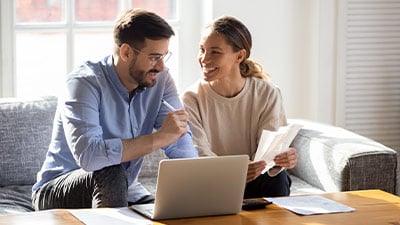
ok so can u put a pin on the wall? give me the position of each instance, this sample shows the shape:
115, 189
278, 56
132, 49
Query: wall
1, 59
285, 41
6, 41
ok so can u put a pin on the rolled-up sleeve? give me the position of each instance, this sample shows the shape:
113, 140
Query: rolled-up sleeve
84, 134
183, 148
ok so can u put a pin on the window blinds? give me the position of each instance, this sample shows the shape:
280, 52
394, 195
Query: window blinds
370, 75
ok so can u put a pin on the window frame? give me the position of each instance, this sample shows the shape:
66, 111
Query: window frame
186, 26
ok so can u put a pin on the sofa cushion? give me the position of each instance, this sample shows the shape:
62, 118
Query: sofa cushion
22, 147
15, 199
149, 171
301, 187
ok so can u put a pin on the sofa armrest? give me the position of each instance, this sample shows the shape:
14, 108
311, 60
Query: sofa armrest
335, 159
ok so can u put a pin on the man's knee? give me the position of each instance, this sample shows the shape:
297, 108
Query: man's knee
111, 173
111, 187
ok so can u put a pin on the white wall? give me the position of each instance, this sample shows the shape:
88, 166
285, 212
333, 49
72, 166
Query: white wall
285, 40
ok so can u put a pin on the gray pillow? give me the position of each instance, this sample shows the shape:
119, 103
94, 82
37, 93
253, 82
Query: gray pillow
25, 132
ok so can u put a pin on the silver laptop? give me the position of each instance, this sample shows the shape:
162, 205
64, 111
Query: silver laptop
196, 187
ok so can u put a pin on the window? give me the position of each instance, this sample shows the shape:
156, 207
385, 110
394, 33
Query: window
48, 38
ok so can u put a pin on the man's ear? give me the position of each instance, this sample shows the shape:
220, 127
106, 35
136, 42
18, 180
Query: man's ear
125, 51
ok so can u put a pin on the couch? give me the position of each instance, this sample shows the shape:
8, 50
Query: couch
330, 158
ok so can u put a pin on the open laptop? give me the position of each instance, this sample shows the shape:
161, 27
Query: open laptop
196, 187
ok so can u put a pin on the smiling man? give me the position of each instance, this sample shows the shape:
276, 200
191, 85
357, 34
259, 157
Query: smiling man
106, 118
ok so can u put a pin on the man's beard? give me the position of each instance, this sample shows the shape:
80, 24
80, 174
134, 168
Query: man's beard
140, 76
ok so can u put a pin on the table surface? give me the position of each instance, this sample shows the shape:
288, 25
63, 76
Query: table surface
371, 207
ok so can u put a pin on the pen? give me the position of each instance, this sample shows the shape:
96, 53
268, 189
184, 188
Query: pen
168, 105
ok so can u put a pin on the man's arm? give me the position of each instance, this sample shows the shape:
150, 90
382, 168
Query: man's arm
173, 128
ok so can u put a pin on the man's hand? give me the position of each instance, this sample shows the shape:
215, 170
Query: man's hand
287, 159
174, 125
254, 170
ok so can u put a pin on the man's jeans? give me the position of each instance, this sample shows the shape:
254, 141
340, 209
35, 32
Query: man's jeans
107, 187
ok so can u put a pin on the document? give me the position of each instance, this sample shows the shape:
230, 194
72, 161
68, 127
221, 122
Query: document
310, 205
273, 143
103, 216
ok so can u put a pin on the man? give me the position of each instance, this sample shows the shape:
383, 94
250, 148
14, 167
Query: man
110, 117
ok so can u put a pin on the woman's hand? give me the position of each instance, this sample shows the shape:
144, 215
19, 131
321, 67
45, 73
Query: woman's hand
254, 170
287, 159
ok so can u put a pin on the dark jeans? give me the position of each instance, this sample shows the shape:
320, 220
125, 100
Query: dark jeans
266, 186
107, 187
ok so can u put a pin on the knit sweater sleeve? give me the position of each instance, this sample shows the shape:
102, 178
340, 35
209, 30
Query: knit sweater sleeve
272, 112
272, 118
200, 140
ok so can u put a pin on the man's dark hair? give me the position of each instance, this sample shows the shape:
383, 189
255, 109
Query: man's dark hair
135, 25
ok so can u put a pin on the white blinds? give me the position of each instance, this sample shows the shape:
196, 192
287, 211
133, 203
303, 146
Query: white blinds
370, 58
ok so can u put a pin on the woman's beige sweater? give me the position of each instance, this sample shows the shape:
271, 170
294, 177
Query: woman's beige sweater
231, 126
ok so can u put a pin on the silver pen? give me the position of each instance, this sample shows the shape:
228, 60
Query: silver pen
168, 105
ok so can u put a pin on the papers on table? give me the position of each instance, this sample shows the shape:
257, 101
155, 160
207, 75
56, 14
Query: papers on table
309, 205
103, 216
273, 143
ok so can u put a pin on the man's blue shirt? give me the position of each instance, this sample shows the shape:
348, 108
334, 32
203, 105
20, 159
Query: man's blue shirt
95, 113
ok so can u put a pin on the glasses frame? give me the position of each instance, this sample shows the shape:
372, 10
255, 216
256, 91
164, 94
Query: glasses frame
154, 58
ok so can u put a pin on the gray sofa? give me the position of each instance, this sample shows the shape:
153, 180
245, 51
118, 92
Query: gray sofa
330, 158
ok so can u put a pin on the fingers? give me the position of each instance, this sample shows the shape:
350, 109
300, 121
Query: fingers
287, 159
176, 122
254, 170
180, 118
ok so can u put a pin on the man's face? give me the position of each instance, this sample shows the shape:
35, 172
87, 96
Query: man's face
149, 62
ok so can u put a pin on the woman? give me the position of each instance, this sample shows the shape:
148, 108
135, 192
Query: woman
233, 103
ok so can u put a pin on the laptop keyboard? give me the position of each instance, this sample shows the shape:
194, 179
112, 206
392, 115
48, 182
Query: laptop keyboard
145, 209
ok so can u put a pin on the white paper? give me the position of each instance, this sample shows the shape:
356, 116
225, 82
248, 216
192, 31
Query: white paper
103, 216
309, 205
273, 143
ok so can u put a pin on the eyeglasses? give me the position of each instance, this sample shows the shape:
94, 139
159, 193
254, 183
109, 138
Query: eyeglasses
155, 57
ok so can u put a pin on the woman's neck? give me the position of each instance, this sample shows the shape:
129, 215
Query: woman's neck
229, 87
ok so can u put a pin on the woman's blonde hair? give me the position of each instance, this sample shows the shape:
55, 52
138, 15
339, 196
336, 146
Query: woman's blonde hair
238, 36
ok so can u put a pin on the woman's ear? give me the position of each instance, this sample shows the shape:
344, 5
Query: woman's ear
125, 52
241, 56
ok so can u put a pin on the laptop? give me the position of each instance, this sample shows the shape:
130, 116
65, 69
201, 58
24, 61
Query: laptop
194, 187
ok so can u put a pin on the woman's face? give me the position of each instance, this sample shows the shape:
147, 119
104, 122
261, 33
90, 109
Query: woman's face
216, 57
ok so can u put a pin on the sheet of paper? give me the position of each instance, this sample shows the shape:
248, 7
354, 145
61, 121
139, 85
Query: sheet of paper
309, 205
273, 143
103, 216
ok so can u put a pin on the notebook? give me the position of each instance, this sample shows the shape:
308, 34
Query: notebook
204, 186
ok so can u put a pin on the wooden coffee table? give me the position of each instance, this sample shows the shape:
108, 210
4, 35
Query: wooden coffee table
371, 207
